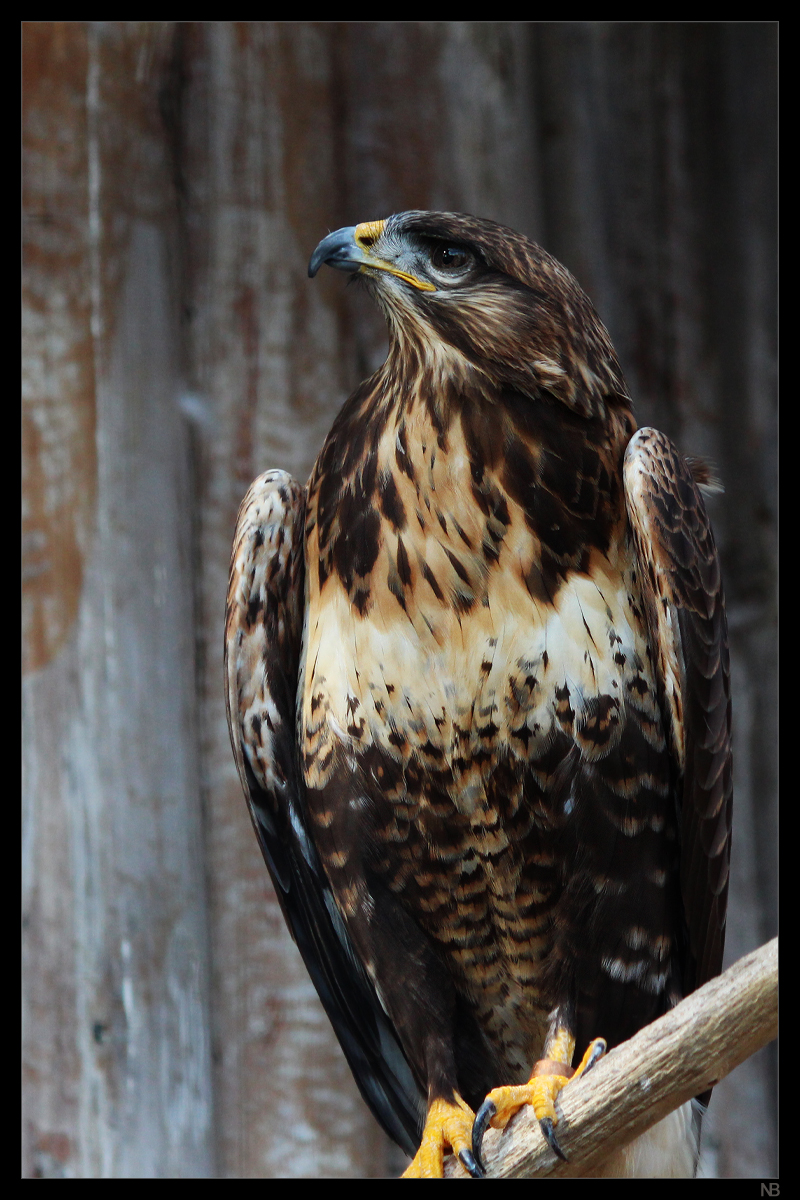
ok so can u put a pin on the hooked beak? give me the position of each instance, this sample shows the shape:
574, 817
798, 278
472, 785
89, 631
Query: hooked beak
350, 249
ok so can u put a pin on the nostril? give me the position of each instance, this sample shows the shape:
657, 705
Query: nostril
367, 233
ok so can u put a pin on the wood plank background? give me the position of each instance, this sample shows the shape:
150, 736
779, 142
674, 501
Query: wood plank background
176, 179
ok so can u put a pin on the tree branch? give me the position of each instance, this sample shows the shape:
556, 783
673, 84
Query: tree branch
638, 1083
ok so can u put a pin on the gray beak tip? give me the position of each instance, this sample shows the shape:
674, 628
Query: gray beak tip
338, 249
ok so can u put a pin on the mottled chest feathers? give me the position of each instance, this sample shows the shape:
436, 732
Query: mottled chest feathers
443, 497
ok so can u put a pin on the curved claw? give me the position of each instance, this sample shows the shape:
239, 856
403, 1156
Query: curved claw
593, 1055
476, 1169
482, 1118
546, 1126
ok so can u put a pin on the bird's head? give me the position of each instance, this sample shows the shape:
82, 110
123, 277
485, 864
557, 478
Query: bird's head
457, 287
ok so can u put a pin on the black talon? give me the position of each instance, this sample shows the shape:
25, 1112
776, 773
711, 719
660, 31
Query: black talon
475, 1169
546, 1126
599, 1048
482, 1118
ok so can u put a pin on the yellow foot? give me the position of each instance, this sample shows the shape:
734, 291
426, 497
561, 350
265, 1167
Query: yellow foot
448, 1123
547, 1079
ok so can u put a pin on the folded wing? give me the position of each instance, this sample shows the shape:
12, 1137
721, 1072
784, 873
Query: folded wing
680, 578
263, 641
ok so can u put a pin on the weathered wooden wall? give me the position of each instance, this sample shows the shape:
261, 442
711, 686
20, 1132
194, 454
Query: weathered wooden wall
116, 1040
177, 178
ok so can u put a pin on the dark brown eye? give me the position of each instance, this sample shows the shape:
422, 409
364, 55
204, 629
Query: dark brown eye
451, 258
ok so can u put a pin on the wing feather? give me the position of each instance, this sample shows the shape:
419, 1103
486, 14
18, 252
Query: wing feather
263, 640
681, 584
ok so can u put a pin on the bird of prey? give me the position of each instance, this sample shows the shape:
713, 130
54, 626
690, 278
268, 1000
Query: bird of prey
478, 695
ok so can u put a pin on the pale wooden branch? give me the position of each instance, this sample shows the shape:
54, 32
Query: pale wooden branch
638, 1083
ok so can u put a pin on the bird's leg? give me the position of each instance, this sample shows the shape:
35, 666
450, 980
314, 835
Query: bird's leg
550, 1074
448, 1125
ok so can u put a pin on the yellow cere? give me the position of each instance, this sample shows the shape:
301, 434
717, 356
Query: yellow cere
366, 234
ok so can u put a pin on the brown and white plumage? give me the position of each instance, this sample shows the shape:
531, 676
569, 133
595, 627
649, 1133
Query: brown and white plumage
478, 684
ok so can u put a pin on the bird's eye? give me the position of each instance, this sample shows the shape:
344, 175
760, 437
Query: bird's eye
451, 258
